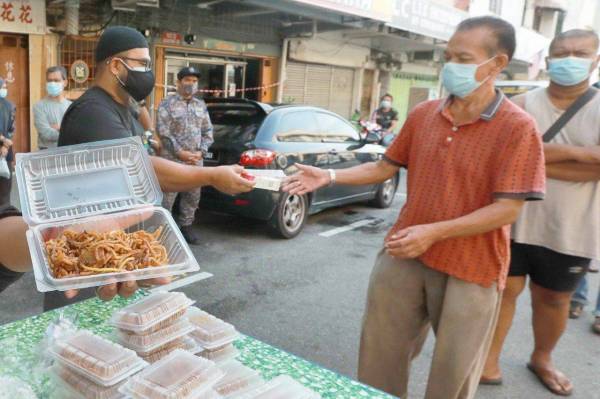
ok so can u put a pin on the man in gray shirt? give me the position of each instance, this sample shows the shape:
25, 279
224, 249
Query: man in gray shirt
49, 111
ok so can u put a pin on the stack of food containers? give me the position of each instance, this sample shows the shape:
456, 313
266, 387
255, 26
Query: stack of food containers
180, 375
156, 325
238, 379
92, 366
214, 335
96, 188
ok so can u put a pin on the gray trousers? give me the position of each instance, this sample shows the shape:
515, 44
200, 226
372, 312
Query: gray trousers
188, 203
405, 298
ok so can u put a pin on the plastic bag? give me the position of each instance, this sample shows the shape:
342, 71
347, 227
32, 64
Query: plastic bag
4, 169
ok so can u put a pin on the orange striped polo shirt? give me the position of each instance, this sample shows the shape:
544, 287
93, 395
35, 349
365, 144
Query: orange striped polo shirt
455, 170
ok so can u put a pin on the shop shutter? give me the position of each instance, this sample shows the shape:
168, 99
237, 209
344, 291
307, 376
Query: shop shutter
322, 86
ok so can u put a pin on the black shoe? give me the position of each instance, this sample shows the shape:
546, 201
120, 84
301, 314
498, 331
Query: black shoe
189, 235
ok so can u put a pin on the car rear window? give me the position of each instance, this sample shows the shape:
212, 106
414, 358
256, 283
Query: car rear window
235, 122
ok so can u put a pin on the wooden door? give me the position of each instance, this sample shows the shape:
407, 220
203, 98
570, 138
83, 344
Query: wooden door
14, 68
268, 76
366, 100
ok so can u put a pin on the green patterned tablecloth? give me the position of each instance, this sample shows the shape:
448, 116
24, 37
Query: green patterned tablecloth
20, 353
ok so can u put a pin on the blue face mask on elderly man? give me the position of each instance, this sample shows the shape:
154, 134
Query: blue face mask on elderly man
459, 79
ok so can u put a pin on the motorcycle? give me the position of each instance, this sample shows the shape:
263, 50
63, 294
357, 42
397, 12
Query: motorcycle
373, 133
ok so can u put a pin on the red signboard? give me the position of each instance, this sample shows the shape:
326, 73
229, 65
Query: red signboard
171, 38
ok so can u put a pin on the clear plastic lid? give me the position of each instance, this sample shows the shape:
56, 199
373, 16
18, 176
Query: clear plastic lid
100, 360
84, 180
238, 378
211, 332
80, 387
180, 375
186, 343
148, 343
152, 313
210, 394
222, 354
279, 388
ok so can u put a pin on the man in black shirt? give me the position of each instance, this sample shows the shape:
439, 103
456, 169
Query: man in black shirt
386, 116
123, 71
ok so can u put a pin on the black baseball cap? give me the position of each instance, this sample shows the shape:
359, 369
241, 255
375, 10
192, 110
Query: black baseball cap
188, 71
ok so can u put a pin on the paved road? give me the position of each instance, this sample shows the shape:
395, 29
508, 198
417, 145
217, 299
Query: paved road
307, 296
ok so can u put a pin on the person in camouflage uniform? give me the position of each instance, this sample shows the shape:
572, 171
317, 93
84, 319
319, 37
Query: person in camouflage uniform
186, 133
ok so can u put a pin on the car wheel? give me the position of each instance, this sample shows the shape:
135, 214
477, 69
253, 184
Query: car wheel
386, 193
289, 217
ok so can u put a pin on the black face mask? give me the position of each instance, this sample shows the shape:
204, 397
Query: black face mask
138, 84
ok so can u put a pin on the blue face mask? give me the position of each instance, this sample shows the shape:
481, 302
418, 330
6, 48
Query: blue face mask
459, 79
3, 92
569, 71
54, 88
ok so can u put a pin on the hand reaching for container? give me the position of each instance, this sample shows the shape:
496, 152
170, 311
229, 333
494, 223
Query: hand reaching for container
307, 180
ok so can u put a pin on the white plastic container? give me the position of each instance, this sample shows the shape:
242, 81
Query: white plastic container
221, 355
211, 332
152, 313
73, 385
265, 179
180, 375
95, 358
238, 379
146, 344
283, 386
101, 187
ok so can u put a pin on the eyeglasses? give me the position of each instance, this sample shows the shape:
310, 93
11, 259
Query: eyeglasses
146, 64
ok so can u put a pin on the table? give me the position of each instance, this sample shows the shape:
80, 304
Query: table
20, 353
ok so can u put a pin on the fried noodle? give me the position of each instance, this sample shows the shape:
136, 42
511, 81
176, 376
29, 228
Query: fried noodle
86, 253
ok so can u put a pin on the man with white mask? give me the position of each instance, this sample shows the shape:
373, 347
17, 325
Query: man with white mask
472, 160
554, 240
49, 111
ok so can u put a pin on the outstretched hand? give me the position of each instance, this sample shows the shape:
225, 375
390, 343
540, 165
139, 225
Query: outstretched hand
307, 180
229, 180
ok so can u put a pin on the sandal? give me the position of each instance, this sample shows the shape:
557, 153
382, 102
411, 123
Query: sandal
596, 325
576, 310
547, 377
491, 381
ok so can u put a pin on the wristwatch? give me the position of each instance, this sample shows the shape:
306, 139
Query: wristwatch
331, 177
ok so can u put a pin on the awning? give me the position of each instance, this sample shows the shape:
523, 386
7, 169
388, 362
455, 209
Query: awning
379, 10
530, 45
555, 4
427, 18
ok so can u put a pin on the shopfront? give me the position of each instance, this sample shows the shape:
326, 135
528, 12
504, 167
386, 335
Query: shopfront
22, 28
227, 69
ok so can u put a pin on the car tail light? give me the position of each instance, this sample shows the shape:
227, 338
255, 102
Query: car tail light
241, 202
257, 158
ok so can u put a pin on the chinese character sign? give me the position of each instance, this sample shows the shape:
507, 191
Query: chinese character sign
23, 16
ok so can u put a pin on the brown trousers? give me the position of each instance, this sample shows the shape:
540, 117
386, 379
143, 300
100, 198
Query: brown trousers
404, 299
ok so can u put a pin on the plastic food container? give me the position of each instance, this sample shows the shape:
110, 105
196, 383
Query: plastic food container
98, 359
188, 344
180, 375
238, 379
145, 344
222, 354
281, 387
152, 313
100, 187
265, 179
211, 332
77, 386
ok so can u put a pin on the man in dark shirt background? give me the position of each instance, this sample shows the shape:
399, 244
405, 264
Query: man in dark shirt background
386, 116
123, 72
